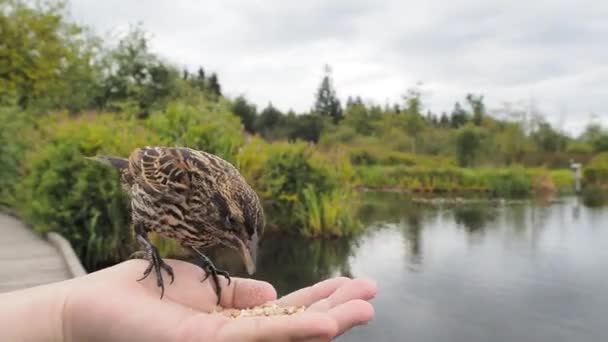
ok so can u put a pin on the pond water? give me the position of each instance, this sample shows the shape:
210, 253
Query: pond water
525, 271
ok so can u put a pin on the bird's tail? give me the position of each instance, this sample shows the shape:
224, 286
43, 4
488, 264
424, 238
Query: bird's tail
117, 162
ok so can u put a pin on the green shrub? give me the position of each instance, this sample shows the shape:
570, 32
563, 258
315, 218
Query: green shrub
205, 125
596, 172
508, 183
13, 144
80, 199
302, 190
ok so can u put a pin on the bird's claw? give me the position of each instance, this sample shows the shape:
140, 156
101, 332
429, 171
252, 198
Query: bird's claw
213, 270
157, 263
210, 269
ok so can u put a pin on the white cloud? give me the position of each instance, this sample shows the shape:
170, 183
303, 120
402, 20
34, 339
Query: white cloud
275, 50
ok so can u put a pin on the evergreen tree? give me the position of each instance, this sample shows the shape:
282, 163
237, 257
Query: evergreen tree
214, 85
459, 116
247, 112
444, 121
413, 102
201, 73
199, 81
477, 107
350, 102
327, 104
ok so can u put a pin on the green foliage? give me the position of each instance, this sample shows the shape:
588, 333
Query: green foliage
507, 182
13, 144
329, 213
596, 137
246, 112
579, 148
563, 180
205, 125
45, 61
61, 191
327, 103
548, 139
134, 77
477, 107
375, 154
596, 171
468, 145
304, 191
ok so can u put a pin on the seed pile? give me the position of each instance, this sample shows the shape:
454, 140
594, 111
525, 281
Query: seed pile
262, 310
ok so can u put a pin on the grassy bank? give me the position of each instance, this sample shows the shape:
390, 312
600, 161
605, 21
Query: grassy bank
499, 182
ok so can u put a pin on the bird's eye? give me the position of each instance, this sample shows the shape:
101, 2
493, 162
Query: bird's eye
232, 224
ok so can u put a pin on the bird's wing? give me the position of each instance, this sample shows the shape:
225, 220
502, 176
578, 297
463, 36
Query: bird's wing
160, 170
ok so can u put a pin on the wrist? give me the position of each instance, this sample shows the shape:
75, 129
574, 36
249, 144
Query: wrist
34, 314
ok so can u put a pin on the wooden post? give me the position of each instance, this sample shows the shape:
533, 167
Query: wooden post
577, 170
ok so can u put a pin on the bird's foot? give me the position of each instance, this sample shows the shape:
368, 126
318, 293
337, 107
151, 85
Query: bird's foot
210, 269
214, 272
157, 263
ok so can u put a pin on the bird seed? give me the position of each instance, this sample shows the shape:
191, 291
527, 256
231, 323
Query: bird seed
262, 310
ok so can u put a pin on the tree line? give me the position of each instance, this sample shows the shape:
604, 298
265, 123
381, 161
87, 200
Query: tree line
49, 63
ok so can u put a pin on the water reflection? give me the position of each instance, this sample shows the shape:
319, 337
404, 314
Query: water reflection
291, 263
474, 217
462, 271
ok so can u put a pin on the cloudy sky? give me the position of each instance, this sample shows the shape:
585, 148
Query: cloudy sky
549, 51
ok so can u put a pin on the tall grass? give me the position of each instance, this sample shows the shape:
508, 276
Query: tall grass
325, 214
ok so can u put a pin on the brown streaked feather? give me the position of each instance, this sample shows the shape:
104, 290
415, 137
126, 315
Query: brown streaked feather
160, 170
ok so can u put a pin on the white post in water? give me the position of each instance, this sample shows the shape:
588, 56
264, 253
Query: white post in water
576, 169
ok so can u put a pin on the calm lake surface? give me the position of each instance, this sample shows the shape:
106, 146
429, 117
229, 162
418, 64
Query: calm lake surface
469, 272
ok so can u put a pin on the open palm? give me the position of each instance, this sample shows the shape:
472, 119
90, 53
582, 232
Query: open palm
110, 305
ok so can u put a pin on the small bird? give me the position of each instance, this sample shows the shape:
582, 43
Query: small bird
196, 198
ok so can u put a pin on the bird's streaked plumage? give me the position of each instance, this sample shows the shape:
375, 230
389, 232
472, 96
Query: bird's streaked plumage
193, 197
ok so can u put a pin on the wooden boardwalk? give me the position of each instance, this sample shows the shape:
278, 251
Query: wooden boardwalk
26, 258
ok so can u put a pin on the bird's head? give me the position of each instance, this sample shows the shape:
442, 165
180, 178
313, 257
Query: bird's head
242, 222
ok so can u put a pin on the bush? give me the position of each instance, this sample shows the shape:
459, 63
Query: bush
596, 172
301, 189
205, 125
80, 199
13, 144
508, 183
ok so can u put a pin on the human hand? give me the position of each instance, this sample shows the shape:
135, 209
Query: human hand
110, 305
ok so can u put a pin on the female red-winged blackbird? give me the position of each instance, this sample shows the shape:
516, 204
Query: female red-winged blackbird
194, 197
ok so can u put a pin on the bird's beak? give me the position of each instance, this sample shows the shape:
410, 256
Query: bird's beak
249, 253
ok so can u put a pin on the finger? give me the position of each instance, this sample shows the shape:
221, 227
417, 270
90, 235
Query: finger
354, 289
245, 293
351, 314
303, 326
308, 295
188, 290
